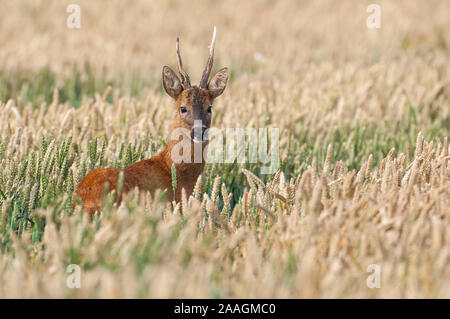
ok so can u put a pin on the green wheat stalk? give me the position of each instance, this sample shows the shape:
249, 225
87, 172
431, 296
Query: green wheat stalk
174, 179
120, 183
3, 194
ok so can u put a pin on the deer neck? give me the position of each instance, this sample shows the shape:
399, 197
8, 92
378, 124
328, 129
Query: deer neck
189, 164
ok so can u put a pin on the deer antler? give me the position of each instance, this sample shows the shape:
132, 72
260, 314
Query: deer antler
184, 76
209, 64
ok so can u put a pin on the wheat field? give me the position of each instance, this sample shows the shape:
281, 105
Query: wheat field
364, 176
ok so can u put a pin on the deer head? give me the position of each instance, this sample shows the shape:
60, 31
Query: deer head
194, 103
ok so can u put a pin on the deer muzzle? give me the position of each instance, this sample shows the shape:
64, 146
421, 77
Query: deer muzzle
199, 134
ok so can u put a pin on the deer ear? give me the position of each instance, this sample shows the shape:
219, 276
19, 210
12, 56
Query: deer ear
218, 83
171, 82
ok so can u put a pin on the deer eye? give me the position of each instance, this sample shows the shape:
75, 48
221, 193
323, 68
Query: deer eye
183, 110
209, 110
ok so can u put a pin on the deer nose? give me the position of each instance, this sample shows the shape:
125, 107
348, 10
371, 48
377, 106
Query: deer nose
199, 133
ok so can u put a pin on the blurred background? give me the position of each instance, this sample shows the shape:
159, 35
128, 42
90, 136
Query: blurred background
127, 41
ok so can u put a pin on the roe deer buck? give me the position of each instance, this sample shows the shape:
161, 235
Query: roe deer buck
193, 104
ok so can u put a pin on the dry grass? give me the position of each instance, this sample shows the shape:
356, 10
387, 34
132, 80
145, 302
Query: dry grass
358, 185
